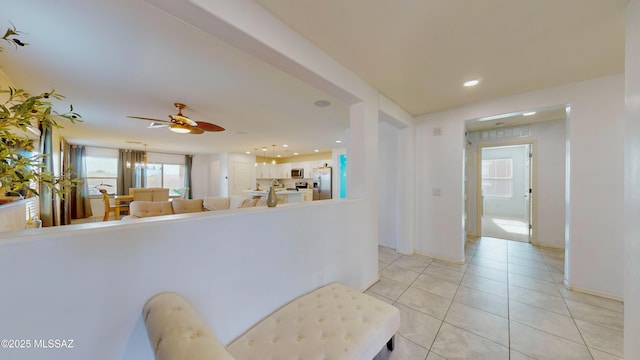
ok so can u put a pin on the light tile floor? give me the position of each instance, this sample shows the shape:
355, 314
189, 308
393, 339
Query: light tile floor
506, 302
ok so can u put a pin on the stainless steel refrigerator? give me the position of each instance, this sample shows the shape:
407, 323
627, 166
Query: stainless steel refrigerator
322, 183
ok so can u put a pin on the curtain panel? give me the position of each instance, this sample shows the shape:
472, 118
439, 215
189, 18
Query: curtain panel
188, 160
131, 170
46, 195
79, 201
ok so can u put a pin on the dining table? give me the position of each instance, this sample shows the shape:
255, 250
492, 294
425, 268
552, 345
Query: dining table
119, 199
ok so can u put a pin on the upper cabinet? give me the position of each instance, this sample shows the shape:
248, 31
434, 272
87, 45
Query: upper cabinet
283, 171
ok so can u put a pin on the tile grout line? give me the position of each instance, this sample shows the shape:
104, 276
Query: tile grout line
573, 319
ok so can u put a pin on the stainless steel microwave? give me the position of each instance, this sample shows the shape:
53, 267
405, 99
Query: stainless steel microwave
297, 173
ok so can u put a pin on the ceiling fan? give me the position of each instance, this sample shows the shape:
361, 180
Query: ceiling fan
181, 124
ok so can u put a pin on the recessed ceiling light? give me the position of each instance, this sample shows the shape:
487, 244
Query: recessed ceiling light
316, 150
278, 155
471, 83
285, 145
321, 103
529, 113
295, 153
338, 141
247, 152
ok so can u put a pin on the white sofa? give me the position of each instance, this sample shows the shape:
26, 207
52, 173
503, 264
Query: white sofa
331, 322
143, 209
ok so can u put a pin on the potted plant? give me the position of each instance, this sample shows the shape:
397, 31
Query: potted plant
19, 170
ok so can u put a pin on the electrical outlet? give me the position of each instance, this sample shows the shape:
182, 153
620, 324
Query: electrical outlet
437, 192
437, 131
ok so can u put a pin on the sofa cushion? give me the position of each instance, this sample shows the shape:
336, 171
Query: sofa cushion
216, 203
235, 201
186, 206
176, 331
249, 203
143, 209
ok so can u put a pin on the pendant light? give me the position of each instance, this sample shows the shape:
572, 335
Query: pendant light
255, 152
264, 156
273, 160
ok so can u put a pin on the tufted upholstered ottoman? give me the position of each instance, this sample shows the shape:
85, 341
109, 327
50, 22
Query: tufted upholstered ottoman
331, 322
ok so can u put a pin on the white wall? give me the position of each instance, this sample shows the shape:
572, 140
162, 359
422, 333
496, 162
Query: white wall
94, 279
595, 201
200, 176
632, 185
388, 192
549, 175
439, 186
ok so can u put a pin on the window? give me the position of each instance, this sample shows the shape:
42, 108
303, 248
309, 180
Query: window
167, 176
102, 170
497, 178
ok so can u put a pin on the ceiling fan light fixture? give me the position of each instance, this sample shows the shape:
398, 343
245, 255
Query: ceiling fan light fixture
179, 128
181, 119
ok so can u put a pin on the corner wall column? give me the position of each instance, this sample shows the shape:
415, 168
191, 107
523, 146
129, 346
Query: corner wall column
632, 184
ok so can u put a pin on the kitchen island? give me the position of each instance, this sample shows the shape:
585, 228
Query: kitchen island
284, 196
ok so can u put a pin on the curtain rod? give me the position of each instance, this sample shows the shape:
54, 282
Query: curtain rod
111, 148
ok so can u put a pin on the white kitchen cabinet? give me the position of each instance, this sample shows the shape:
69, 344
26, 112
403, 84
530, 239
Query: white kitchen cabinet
308, 168
284, 171
307, 194
266, 171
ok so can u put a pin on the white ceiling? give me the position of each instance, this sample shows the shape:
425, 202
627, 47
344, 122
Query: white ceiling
419, 52
125, 57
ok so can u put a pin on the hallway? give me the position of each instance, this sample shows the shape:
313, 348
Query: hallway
506, 302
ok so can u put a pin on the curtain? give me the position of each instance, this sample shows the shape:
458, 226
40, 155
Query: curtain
65, 210
79, 201
188, 160
47, 207
131, 172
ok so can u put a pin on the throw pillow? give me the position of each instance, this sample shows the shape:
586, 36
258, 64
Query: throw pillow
249, 203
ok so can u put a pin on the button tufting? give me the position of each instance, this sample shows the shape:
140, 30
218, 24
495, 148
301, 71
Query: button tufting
195, 336
250, 342
275, 340
299, 338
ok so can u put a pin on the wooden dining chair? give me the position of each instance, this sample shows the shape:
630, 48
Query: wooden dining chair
185, 193
109, 208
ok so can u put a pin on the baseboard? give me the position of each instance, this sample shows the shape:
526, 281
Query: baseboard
549, 246
594, 292
370, 284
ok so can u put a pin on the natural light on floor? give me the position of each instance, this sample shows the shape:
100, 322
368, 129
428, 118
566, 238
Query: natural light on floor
511, 226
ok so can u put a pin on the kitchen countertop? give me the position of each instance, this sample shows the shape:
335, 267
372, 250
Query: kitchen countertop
278, 192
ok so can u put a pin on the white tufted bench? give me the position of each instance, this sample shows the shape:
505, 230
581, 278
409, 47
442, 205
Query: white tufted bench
331, 322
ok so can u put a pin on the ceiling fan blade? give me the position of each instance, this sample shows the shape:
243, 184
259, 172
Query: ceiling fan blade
196, 130
153, 125
209, 126
151, 119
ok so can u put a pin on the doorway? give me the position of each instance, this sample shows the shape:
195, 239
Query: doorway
506, 192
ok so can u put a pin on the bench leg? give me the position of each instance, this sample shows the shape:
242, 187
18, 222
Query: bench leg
391, 343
